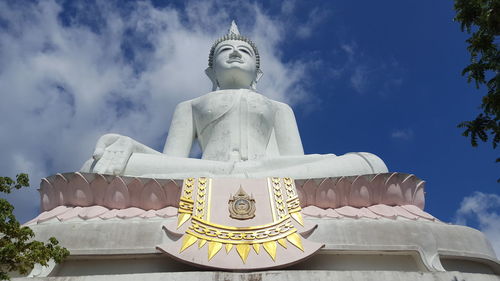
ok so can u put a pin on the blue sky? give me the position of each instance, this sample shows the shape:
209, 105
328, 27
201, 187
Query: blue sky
382, 77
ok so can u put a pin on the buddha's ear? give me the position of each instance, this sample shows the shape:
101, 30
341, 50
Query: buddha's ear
211, 75
257, 78
259, 75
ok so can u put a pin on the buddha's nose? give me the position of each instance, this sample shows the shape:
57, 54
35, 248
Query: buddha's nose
235, 54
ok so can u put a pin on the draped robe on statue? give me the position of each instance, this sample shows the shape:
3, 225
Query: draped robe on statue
242, 134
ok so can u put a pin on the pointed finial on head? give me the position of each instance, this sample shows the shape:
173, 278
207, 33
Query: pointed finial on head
233, 29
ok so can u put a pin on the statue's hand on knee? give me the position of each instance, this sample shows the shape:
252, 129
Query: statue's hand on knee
112, 153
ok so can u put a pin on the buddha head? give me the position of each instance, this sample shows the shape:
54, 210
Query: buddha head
234, 62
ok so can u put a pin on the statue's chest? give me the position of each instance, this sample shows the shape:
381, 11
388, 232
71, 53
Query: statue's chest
239, 109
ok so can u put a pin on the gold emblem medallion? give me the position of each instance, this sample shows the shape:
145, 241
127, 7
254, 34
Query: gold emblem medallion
241, 205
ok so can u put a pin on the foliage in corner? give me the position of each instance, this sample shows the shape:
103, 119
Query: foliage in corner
18, 252
481, 19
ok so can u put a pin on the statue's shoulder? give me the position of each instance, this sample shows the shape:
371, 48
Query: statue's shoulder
279, 103
183, 106
210, 96
281, 106
210, 99
196, 101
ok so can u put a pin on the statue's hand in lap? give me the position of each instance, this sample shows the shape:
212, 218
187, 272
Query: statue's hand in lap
113, 151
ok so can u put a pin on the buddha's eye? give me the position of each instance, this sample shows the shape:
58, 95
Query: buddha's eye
245, 51
223, 49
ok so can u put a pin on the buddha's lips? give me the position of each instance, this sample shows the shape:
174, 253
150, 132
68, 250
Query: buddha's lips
234, 60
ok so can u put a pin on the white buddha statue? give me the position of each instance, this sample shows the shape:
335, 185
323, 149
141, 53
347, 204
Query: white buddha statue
241, 132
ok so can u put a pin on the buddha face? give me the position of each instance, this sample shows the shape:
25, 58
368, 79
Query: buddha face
234, 64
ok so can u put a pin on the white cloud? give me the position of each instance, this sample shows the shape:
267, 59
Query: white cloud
315, 17
484, 210
349, 49
63, 84
288, 6
404, 134
366, 74
359, 78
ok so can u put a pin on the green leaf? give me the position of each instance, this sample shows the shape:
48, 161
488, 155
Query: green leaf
17, 251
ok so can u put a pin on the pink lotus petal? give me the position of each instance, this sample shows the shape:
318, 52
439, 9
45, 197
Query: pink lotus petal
117, 196
161, 212
383, 210
404, 213
45, 216
429, 216
348, 211
71, 213
173, 192
149, 214
417, 211
109, 214
365, 212
92, 212
309, 189
332, 214
152, 196
172, 211
129, 213
33, 221
419, 197
167, 212
313, 211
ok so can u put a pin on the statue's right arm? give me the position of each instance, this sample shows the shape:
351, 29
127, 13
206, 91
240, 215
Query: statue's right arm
287, 132
182, 131
112, 153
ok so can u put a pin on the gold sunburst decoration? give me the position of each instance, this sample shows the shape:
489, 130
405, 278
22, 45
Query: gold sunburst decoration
195, 207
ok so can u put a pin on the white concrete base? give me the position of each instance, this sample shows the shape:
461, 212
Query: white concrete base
128, 246
303, 275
